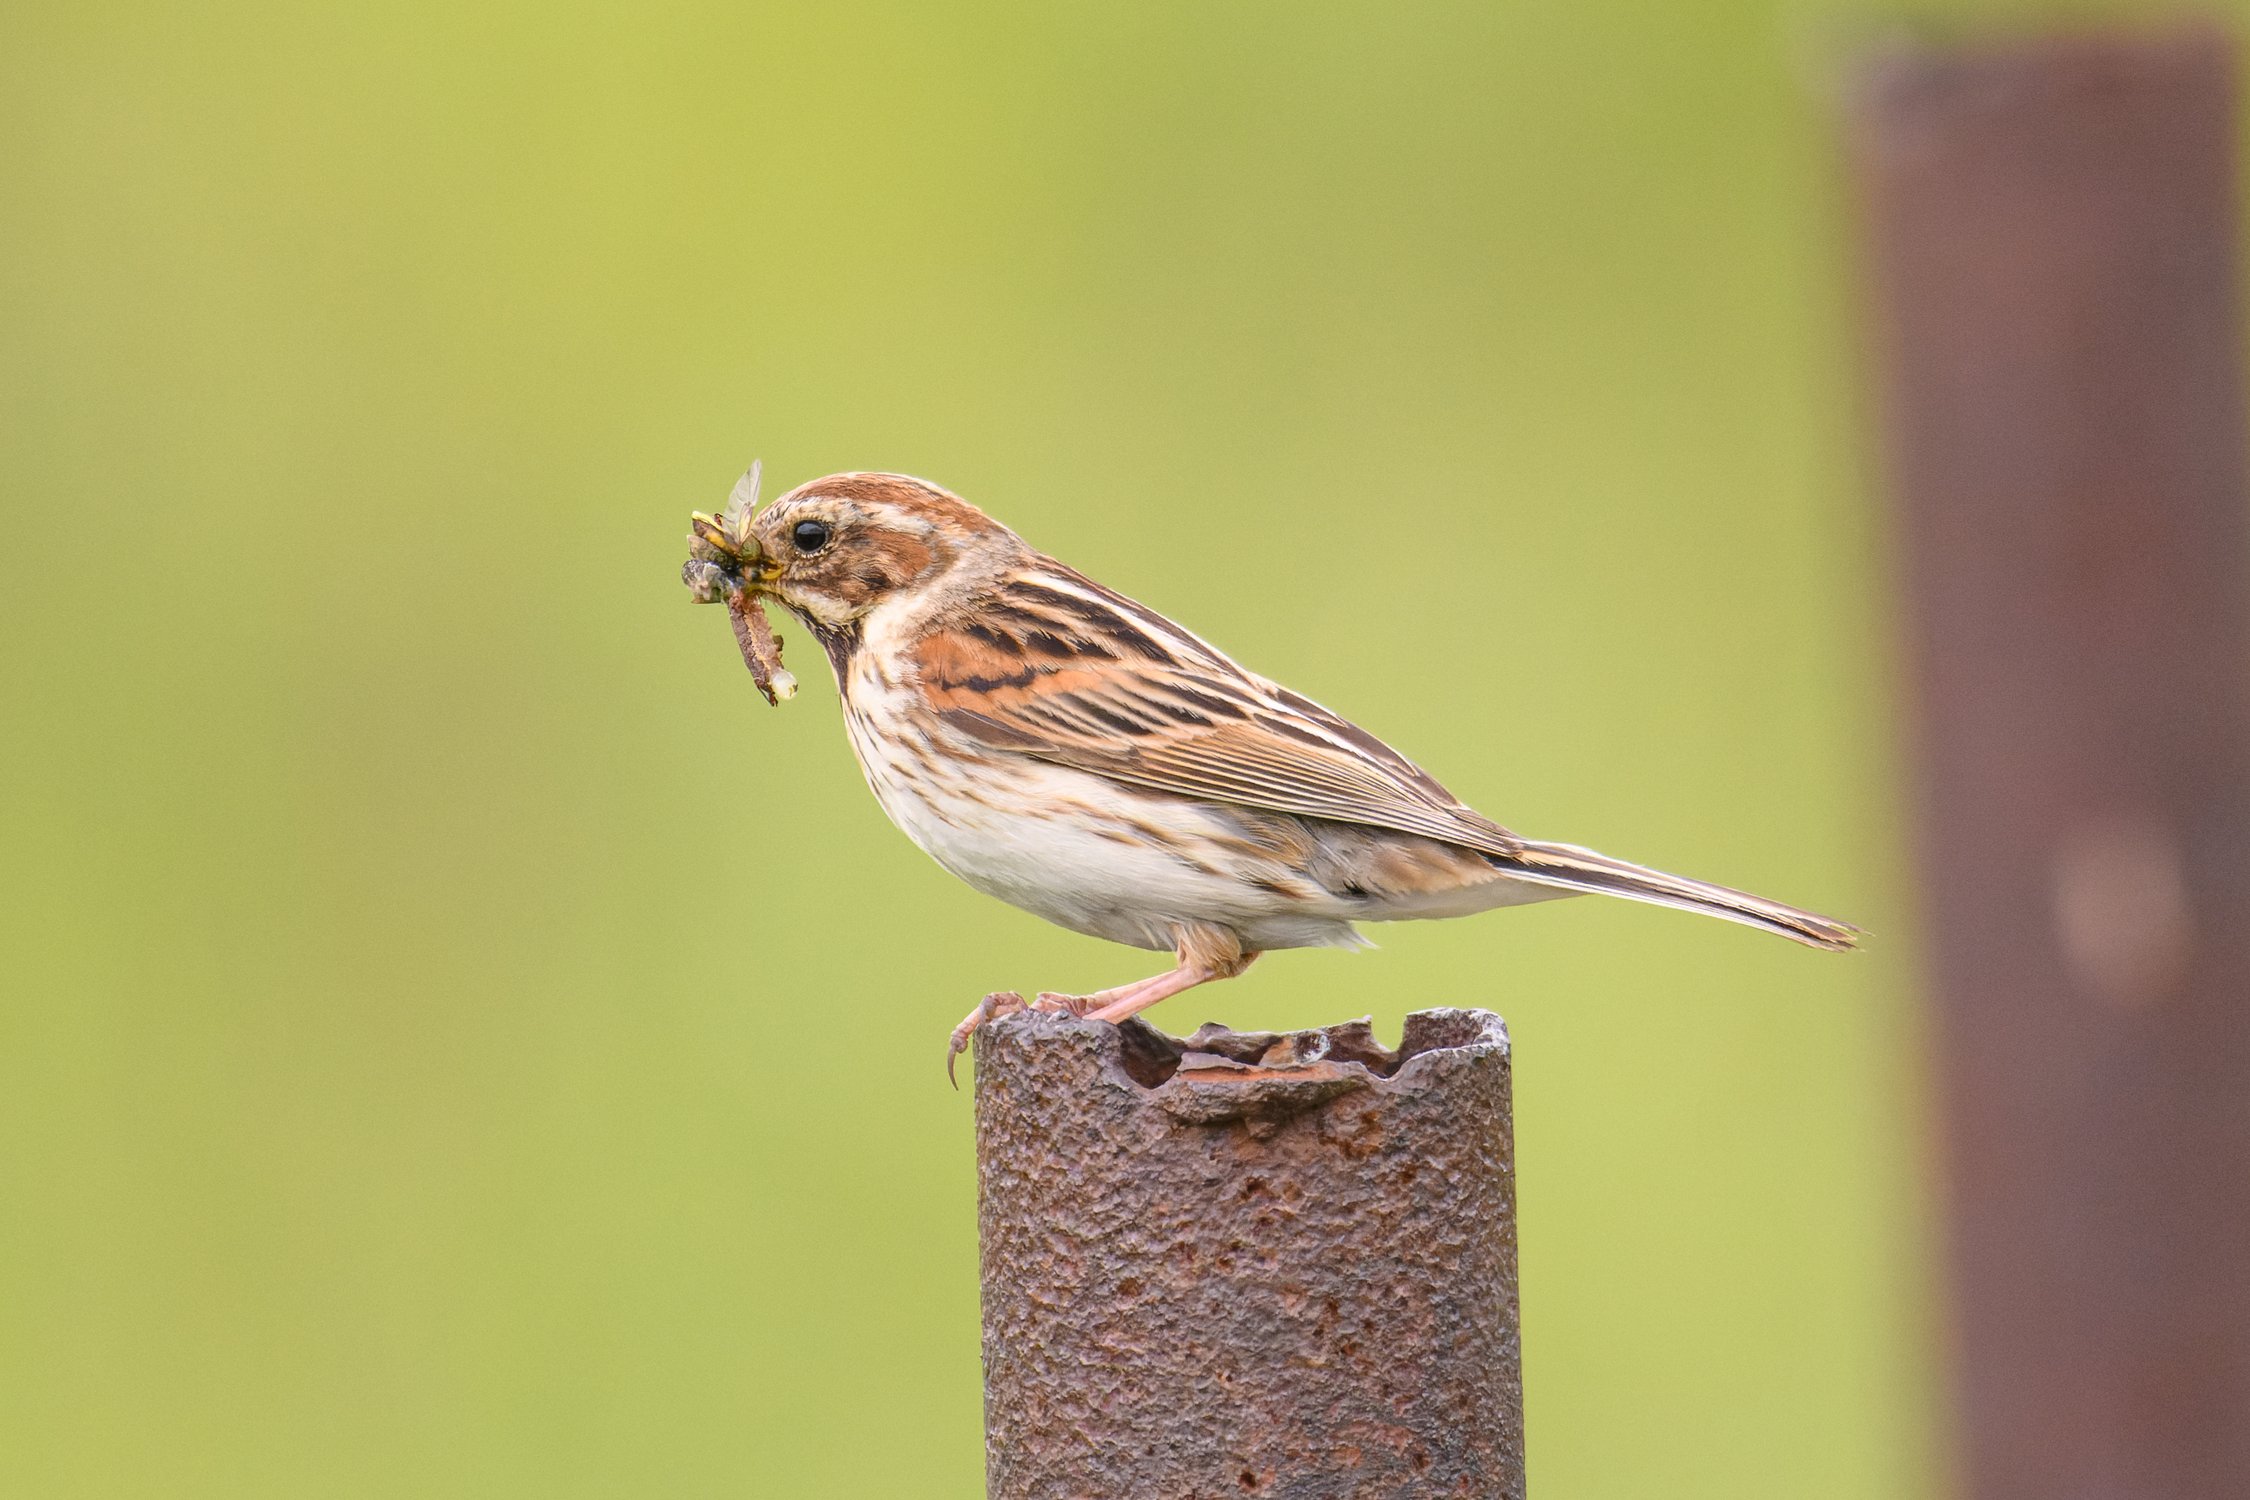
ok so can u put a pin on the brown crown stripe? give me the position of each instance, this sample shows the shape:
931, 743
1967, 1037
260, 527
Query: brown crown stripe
916, 496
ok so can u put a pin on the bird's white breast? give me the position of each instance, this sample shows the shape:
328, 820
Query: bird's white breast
1078, 849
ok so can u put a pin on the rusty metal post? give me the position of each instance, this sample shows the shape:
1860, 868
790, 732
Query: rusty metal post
1248, 1264
2053, 230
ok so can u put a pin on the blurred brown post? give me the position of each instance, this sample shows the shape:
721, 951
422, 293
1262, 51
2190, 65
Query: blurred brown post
1248, 1264
2052, 230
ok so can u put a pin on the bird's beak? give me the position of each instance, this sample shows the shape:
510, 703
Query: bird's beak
757, 570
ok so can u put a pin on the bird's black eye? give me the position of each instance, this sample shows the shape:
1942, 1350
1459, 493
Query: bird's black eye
809, 536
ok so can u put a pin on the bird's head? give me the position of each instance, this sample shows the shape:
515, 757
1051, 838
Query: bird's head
836, 548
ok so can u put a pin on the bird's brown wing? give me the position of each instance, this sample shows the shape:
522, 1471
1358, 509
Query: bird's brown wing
1051, 665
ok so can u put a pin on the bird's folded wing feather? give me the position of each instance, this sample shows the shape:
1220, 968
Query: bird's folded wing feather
1056, 667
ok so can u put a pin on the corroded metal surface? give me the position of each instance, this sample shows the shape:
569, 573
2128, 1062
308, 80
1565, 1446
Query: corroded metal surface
2053, 228
1248, 1264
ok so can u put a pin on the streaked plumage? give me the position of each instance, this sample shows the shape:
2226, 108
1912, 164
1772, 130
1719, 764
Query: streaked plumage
1059, 746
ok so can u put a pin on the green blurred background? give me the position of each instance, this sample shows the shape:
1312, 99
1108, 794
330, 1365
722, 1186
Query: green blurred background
457, 1041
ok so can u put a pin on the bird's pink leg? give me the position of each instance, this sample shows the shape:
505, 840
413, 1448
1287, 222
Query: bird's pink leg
1206, 953
1056, 1003
1135, 998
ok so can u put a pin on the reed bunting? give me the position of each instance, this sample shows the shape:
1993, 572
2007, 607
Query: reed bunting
1057, 745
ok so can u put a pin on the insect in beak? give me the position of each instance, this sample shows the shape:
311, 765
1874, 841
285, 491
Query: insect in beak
727, 566
724, 558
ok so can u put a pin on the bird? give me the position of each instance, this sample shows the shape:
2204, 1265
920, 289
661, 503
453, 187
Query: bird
1077, 754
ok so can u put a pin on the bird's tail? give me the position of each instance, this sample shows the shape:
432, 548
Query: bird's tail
1574, 869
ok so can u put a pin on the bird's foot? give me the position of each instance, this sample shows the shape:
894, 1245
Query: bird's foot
1069, 1005
991, 1008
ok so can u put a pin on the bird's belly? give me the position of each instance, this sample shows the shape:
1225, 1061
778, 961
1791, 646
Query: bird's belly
1059, 845
1079, 850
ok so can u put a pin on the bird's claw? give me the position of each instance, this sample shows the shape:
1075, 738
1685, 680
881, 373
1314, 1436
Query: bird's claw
1057, 1004
991, 1008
